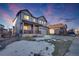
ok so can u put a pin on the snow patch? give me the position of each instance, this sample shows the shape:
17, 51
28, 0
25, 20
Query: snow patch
28, 48
46, 37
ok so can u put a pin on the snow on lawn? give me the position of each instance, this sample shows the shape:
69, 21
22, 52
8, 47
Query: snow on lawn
54, 38
28, 48
46, 37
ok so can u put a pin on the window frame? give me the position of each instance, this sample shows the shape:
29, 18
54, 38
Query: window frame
26, 16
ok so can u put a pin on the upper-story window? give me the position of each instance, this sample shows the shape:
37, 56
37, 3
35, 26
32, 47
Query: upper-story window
26, 17
34, 20
40, 22
44, 23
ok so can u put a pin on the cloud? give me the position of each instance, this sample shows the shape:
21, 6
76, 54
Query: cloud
48, 11
71, 22
14, 8
69, 19
52, 17
49, 14
6, 17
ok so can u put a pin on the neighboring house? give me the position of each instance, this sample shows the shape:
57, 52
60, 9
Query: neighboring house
10, 32
4, 32
1, 30
60, 29
26, 23
13, 31
76, 31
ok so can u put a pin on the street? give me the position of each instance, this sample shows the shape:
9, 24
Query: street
74, 48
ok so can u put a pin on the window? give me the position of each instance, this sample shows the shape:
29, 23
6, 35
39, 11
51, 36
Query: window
27, 27
26, 17
51, 31
40, 22
44, 23
34, 20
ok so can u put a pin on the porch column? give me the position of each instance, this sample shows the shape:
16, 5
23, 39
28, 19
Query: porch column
34, 29
23, 28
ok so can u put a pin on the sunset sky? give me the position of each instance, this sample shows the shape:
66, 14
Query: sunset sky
54, 13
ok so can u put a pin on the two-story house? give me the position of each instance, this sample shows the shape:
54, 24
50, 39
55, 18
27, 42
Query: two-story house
26, 23
1, 29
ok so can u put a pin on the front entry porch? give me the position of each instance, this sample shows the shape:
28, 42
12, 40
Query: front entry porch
31, 29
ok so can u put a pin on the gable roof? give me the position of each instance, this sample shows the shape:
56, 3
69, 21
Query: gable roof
23, 12
59, 25
43, 18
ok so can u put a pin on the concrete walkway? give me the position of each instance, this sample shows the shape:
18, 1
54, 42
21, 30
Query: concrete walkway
74, 49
